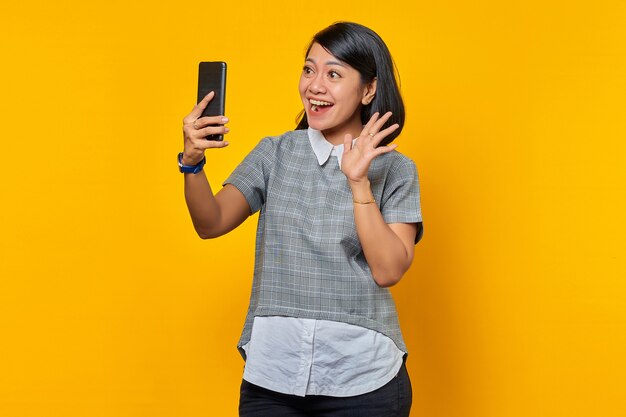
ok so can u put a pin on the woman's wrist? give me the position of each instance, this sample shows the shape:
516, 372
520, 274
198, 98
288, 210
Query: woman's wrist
191, 160
361, 192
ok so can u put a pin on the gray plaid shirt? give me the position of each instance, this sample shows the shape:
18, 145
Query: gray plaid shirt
309, 262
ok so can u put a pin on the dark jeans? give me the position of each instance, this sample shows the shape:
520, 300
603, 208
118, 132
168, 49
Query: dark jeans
391, 400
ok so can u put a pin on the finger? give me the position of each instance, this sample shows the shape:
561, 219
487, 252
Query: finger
380, 122
209, 121
210, 144
369, 124
198, 108
373, 126
216, 143
384, 133
347, 142
213, 130
384, 149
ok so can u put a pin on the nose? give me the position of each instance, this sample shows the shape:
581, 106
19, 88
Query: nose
317, 86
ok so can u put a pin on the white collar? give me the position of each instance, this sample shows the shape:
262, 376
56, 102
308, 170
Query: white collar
322, 148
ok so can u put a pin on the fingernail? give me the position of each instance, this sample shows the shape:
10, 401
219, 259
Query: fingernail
226, 130
226, 143
224, 119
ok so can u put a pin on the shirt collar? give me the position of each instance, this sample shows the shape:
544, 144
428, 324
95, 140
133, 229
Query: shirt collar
322, 148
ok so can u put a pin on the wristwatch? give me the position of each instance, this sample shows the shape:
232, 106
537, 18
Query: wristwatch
191, 169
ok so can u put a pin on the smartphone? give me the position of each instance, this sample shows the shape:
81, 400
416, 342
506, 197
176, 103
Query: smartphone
212, 77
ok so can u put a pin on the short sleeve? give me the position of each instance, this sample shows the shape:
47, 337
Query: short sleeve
400, 202
252, 174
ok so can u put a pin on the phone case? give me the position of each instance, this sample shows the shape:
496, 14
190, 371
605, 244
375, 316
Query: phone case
212, 77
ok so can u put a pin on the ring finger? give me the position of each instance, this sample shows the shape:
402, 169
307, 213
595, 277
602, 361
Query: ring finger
375, 128
368, 128
375, 123
212, 130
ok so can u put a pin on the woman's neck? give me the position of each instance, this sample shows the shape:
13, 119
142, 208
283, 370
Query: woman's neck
337, 134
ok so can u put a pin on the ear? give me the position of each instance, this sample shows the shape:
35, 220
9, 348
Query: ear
369, 92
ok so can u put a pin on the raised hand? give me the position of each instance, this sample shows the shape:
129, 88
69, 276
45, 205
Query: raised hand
196, 129
358, 156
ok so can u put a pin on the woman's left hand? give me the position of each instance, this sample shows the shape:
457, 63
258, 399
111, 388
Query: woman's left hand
357, 157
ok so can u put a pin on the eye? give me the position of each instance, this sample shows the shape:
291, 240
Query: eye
307, 71
334, 74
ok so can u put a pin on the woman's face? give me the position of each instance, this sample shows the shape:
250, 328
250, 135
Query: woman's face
332, 94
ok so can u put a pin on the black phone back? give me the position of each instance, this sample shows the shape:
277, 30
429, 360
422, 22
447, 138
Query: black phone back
212, 77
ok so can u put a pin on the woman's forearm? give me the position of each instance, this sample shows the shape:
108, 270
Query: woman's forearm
201, 203
388, 255
214, 215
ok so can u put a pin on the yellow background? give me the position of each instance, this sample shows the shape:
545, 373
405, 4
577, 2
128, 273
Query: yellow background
111, 306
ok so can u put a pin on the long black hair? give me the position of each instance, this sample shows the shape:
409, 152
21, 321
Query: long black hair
362, 49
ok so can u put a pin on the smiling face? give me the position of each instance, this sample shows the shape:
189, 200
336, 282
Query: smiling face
332, 93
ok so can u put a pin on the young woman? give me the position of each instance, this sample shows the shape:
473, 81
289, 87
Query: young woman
339, 218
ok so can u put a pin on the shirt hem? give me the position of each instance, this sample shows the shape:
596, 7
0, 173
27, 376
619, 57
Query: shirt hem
328, 392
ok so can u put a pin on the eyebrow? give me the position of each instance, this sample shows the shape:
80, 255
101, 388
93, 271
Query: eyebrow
328, 62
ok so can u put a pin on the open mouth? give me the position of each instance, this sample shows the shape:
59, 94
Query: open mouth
318, 106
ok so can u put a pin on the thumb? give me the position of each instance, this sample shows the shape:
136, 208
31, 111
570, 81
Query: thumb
347, 142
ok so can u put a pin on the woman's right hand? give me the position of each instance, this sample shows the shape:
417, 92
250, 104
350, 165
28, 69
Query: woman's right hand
196, 129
